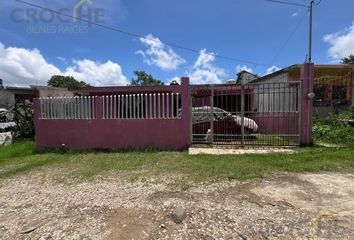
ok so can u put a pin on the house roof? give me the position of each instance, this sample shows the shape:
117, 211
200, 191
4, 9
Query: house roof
343, 67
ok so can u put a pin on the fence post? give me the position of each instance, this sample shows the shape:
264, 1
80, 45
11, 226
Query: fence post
186, 110
307, 75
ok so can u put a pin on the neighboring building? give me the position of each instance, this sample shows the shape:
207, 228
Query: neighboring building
333, 86
246, 77
9, 96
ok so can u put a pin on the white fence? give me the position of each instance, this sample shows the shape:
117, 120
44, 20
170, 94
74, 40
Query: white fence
68, 108
125, 106
142, 106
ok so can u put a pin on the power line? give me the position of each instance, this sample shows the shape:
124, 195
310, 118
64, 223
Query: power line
288, 39
318, 3
141, 36
288, 3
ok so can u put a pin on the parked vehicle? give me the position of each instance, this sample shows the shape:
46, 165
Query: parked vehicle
226, 126
7, 126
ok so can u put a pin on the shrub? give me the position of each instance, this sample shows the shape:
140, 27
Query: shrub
334, 129
24, 119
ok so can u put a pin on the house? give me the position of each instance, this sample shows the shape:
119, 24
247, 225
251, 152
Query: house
333, 86
9, 96
246, 77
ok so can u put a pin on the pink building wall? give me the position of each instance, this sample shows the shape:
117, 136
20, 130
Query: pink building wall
99, 133
277, 123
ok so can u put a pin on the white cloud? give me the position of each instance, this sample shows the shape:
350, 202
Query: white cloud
159, 55
342, 43
23, 67
204, 71
97, 74
240, 68
20, 67
63, 60
272, 69
295, 14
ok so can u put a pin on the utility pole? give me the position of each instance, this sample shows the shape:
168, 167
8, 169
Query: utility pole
310, 31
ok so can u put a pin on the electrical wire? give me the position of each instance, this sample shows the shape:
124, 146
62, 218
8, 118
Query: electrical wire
141, 36
288, 3
288, 39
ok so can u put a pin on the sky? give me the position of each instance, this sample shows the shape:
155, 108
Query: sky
209, 41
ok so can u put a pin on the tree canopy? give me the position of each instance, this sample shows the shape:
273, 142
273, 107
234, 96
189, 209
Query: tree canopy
348, 60
143, 79
66, 82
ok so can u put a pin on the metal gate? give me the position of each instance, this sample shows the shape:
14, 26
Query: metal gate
253, 114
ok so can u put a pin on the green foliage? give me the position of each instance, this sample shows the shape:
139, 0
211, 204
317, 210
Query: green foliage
24, 120
66, 82
335, 129
143, 79
348, 60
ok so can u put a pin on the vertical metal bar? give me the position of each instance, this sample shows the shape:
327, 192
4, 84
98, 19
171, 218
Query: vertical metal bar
87, 107
158, 106
60, 107
71, 106
191, 129
177, 105
299, 102
154, 107
82, 107
172, 110
55, 108
212, 114
119, 107
78, 107
146, 106
242, 115
84, 110
168, 106
93, 107
130, 106
103, 111
67, 108
126, 106
134, 105
110, 105
138, 106
163, 105
115, 107
45, 108
88, 102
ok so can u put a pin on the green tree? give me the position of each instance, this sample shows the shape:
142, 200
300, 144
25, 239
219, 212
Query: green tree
66, 82
348, 60
143, 79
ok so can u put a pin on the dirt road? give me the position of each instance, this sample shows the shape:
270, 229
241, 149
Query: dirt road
281, 206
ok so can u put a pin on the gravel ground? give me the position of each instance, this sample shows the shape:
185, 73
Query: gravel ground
281, 206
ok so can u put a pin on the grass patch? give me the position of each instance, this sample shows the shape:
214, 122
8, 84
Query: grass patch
20, 158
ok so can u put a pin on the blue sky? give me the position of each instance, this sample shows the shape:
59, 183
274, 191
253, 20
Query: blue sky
251, 30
